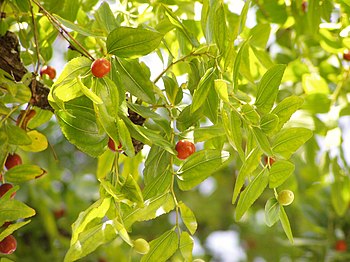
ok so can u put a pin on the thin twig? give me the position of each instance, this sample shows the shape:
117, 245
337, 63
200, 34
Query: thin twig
63, 31
36, 42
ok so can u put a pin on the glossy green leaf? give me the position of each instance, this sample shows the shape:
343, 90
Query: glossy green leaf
162, 248
125, 138
221, 89
272, 211
135, 79
199, 166
237, 63
65, 87
104, 164
269, 123
131, 190
17, 136
288, 140
314, 83
249, 113
85, 133
232, 124
220, 27
158, 185
251, 193
286, 108
262, 141
23, 173
107, 112
3, 145
131, 42
172, 89
208, 132
153, 207
90, 239
268, 88
179, 25
202, 90
41, 117
88, 92
157, 162
94, 32
251, 162
317, 103
12, 210
186, 246
188, 217
12, 228
105, 18
96, 210
279, 172
286, 225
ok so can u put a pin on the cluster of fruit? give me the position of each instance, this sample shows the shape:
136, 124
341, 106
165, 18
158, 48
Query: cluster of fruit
9, 244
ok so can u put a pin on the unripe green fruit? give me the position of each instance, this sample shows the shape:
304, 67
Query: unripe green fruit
141, 246
285, 197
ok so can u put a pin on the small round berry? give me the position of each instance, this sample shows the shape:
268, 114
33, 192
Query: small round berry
8, 245
346, 55
269, 160
304, 6
6, 187
141, 246
48, 70
100, 67
13, 160
285, 197
184, 149
341, 245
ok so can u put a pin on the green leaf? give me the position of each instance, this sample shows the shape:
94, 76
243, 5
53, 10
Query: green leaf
38, 142
96, 210
249, 113
85, 133
202, 90
200, 166
286, 108
286, 225
158, 185
208, 132
237, 63
85, 31
232, 124
157, 162
107, 112
23, 173
135, 79
268, 88
220, 27
104, 164
12, 228
131, 42
186, 246
3, 145
314, 83
288, 140
221, 89
162, 248
188, 218
152, 208
340, 193
251, 162
105, 18
131, 190
279, 172
179, 25
12, 210
262, 140
268, 123
90, 239
88, 92
172, 89
272, 211
65, 87
125, 139
17, 136
252, 192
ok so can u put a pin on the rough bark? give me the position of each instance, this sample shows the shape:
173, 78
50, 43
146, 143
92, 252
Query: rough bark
10, 62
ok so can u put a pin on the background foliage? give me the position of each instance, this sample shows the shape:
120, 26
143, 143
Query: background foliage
267, 78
